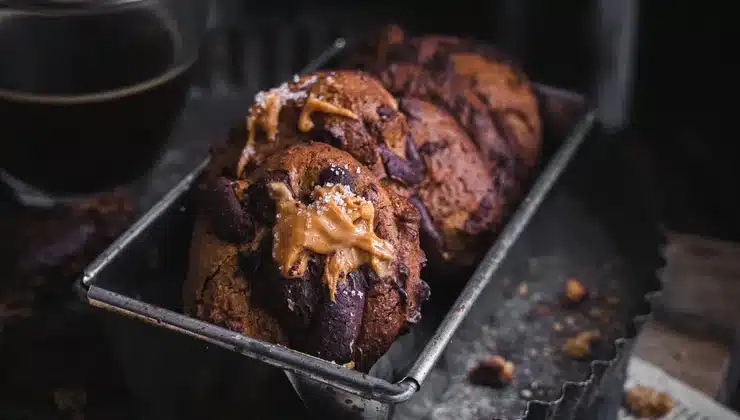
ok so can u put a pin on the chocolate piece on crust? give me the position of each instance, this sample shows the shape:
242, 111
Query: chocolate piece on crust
243, 286
457, 192
348, 109
485, 92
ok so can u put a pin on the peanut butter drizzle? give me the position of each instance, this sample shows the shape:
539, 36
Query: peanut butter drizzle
338, 224
266, 114
314, 104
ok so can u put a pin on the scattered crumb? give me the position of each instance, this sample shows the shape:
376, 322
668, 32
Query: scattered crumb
350, 364
523, 289
495, 372
575, 292
579, 346
612, 300
596, 313
526, 394
557, 326
647, 402
570, 320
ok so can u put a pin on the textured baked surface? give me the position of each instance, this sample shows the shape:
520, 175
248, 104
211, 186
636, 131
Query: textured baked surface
490, 98
347, 109
234, 280
447, 162
459, 203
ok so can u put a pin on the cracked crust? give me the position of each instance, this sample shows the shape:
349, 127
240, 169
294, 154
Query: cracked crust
484, 91
378, 125
238, 286
457, 193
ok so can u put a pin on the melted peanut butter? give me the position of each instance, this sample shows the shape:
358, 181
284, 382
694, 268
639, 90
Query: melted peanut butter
314, 104
265, 114
338, 224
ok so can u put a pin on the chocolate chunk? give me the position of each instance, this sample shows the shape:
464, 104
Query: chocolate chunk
430, 237
385, 112
251, 262
423, 293
412, 155
401, 292
403, 274
370, 275
300, 298
335, 174
324, 135
402, 282
258, 199
432, 148
229, 220
292, 300
398, 168
337, 324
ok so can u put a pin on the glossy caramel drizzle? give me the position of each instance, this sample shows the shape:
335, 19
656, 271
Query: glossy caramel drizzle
338, 224
265, 113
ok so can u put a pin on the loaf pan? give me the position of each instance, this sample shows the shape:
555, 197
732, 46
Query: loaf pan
120, 281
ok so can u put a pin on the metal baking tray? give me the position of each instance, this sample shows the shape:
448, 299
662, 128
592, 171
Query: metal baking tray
110, 283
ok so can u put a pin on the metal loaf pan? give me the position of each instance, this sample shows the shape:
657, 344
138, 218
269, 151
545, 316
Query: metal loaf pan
122, 281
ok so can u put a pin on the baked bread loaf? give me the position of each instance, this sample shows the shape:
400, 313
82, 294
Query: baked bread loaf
311, 251
487, 94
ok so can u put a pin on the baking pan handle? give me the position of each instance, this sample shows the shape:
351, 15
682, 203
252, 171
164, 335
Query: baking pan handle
319, 370
485, 271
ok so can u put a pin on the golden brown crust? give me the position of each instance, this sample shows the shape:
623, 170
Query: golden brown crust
238, 285
445, 164
484, 91
457, 191
215, 291
378, 121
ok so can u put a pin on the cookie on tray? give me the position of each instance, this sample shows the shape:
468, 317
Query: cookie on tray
484, 91
347, 109
311, 251
460, 206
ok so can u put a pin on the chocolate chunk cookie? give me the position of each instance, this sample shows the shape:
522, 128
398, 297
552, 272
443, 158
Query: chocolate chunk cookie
329, 264
490, 98
460, 204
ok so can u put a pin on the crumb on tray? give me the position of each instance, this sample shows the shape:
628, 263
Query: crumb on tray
494, 372
579, 347
646, 402
575, 292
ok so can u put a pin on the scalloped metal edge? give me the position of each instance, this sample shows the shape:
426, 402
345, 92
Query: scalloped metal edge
577, 398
